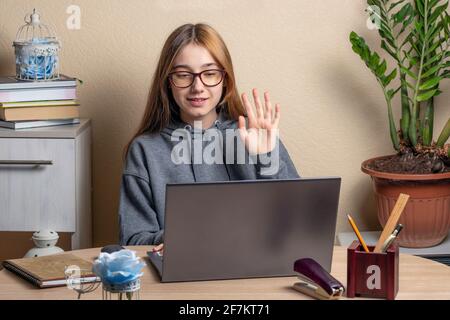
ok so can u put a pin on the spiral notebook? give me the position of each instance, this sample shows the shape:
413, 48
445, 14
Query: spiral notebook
49, 271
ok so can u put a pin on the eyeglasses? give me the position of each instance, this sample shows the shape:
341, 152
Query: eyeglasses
184, 79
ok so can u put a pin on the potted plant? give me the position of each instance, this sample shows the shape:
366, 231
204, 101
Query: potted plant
415, 34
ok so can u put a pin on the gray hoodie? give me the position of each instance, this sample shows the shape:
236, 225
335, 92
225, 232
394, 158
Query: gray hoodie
155, 159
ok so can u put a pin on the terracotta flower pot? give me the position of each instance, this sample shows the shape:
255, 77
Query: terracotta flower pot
426, 217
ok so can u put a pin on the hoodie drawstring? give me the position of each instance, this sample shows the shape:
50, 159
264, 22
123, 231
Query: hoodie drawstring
216, 125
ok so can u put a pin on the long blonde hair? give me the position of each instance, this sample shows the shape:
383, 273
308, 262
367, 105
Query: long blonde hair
161, 107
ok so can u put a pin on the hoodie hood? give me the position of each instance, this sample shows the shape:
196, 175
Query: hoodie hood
203, 171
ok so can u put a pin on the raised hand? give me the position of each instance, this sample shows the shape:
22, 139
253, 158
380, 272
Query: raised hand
261, 135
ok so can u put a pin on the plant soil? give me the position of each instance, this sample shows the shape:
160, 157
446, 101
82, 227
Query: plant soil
410, 163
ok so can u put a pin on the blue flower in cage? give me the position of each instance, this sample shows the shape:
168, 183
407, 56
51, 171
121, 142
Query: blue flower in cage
37, 66
118, 267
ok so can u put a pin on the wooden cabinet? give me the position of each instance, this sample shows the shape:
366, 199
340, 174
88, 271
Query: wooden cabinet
45, 180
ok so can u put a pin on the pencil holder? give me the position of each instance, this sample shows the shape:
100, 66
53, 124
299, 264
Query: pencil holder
370, 274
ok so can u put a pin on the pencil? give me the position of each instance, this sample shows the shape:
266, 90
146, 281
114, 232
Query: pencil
361, 240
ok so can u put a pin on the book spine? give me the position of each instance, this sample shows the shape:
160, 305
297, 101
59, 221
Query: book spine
22, 274
35, 85
39, 113
42, 103
36, 95
36, 124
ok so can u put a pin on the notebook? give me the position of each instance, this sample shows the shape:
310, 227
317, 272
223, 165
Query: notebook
48, 271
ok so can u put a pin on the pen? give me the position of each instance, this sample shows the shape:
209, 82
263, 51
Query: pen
392, 237
361, 240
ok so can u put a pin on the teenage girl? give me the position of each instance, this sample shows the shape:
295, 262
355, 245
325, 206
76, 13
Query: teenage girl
193, 93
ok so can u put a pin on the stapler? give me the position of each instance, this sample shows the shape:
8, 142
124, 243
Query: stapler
315, 281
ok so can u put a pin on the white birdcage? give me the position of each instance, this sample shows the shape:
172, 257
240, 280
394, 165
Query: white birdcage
36, 50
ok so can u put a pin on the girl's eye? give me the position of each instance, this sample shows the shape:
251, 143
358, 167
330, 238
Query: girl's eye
182, 75
211, 74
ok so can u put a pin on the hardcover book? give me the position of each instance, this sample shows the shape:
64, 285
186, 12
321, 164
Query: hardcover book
35, 94
49, 271
12, 83
39, 113
37, 123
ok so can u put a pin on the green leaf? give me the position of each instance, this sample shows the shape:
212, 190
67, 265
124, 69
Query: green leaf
409, 73
395, 5
434, 46
436, 13
445, 134
388, 37
419, 30
433, 31
432, 60
420, 7
413, 42
412, 60
391, 93
381, 69
445, 23
426, 95
374, 61
387, 80
388, 49
406, 23
433, 3
430, 83
426, 135
407, 39
402, 13
410, 86
431, 71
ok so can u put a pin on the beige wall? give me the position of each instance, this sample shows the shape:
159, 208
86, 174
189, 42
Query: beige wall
333, 113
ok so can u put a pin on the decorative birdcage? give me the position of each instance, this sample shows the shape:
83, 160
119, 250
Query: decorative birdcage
125, 291
36, 50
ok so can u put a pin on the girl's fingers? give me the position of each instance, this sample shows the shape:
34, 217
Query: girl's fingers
268, 111
276, 119
249, 109
259, 108
242, 129
241, 122
159, 247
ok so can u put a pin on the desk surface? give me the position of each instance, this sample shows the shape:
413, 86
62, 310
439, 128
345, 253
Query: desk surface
419, 279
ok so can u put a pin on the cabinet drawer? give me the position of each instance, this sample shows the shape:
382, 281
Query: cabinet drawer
37, 184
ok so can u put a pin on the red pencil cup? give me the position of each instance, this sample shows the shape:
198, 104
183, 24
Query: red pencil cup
373, 275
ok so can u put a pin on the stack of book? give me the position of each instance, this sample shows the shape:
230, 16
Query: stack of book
27, 104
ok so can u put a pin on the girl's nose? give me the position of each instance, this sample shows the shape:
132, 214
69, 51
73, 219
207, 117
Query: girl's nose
197, 86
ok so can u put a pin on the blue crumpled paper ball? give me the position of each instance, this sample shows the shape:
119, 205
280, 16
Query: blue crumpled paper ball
118, 267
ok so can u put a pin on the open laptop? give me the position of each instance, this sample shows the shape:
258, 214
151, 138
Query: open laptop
245, 229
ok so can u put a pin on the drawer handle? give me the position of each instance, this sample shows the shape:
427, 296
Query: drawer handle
27, 162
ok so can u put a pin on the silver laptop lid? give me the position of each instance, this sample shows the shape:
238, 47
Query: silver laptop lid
243, 229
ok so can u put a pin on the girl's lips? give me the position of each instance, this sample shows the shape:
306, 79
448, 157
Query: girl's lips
197, 102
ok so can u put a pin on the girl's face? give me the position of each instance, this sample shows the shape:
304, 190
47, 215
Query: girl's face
198, 101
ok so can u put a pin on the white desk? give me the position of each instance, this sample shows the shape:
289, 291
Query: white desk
52, 195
